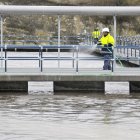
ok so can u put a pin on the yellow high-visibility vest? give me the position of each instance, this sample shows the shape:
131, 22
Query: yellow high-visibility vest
106, 40
95, 34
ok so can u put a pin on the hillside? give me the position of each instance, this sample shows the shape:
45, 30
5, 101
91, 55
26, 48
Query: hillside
73, 2
71, 25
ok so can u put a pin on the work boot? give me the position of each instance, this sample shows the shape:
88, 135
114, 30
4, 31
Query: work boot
109, 67
105, 67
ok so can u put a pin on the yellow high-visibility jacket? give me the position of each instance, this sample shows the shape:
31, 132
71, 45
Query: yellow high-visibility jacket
95, 34
107, 40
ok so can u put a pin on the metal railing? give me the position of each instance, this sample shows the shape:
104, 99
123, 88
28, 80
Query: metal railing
129, 47
50, 40
128, 50
75, 58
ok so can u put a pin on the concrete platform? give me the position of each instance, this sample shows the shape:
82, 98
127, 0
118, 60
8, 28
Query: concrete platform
65, 79
67, 74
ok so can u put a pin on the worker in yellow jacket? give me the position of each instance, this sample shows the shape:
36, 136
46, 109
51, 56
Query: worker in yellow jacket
95, 35
107, 43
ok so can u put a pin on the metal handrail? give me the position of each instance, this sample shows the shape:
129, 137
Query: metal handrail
75, 58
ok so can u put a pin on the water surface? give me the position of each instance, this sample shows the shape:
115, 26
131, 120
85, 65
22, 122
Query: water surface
41, 115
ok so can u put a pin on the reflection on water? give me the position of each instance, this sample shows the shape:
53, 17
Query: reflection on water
44, 116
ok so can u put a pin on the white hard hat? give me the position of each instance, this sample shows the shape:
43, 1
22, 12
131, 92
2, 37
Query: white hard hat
105, 30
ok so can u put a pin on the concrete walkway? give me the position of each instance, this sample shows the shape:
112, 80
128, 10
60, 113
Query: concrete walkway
62, 74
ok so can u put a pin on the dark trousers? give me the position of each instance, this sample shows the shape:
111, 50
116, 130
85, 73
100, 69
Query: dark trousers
107, 62
107, 57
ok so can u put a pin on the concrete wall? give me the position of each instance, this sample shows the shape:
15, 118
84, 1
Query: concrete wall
13, 86
79, 86
134, 87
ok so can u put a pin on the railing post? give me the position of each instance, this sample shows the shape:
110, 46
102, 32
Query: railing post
73, 49
127, 53
131, 51
5, 58
114, 54
139, 57
135, 52
39, 55
77, 60
59, 37
41, 63
1, 22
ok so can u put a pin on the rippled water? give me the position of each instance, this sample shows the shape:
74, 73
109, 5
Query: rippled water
41, 115
69, 117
